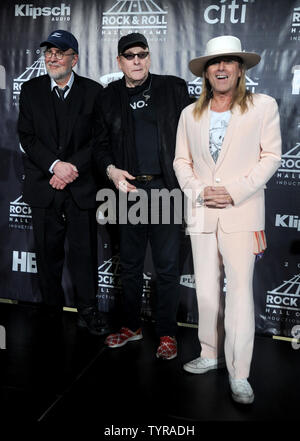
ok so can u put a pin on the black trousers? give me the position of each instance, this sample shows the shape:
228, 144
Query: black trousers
63, 222
164, 240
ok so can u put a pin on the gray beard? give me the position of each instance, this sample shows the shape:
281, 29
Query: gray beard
58, 76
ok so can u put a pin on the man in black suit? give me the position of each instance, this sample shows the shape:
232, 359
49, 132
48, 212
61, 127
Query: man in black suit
136, 148
56, 130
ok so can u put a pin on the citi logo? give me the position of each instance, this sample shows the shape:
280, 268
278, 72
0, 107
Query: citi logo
26, 10
287, 221
24, 262
232, 12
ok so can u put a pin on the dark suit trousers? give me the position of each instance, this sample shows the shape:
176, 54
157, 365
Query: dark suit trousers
164, 240
54, 227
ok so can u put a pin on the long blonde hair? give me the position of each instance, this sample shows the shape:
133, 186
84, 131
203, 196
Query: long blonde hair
242, 97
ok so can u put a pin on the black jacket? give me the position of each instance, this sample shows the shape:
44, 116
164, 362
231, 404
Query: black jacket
170, 97
38, 137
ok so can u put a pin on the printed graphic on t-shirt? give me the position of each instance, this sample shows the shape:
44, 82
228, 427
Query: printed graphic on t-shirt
218, 125
138, 104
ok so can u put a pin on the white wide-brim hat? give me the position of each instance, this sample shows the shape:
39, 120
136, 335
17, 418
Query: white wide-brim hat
225, 45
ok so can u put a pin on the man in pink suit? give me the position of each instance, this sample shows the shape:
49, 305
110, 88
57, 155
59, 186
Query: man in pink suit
228, 147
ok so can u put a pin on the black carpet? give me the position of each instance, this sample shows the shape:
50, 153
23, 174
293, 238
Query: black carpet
53, 374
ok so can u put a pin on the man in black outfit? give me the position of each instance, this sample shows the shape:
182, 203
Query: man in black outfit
138, 116
56, 131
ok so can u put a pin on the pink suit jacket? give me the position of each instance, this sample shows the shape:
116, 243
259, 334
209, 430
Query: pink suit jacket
250, 155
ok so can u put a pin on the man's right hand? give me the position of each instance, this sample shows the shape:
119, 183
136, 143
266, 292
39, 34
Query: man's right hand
65, 171
119, 178
57, 183
217, 197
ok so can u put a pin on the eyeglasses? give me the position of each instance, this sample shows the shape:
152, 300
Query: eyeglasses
131, 56
58, 55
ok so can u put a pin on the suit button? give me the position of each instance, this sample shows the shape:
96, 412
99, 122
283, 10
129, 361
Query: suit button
59, 147
218, 179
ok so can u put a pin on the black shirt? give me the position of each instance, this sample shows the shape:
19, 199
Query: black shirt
145, 128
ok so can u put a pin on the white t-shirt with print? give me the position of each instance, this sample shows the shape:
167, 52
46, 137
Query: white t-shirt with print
218, 124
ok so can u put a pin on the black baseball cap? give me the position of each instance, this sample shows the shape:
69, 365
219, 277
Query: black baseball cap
130, 40
61, 39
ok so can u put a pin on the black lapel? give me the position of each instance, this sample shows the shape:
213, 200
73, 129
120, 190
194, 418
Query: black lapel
48, 106
75, 98
160, 103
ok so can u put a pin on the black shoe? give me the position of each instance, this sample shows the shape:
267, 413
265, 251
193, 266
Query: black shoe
93, 320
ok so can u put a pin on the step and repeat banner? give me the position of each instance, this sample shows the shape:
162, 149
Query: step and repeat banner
177, 31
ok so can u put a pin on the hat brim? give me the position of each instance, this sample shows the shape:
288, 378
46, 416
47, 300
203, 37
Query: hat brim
133, 44
63, 47
197, 65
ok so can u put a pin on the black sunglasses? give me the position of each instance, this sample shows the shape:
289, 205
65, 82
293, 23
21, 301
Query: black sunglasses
131, 56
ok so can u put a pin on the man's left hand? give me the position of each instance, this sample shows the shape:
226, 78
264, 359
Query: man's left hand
65, 171
217, 197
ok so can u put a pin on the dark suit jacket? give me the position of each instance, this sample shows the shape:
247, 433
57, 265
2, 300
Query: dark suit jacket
170, 97
39, 139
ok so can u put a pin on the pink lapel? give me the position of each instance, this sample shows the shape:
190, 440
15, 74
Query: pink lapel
233, 124
204, 136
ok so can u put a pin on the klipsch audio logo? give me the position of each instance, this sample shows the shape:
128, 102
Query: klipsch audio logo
37, 69
295, 29
287, 221
20, 215
227, 12
127, 16
283, 302
24, 262
57, 13
288, 173
195, 86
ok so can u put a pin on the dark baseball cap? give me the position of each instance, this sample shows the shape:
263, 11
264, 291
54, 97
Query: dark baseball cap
61, 39
130, 40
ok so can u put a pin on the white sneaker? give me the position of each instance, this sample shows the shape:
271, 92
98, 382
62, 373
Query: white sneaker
241, 390
201, 365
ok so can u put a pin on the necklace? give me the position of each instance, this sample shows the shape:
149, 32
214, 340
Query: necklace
147, 97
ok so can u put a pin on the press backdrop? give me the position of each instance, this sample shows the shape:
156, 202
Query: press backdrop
177, 31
